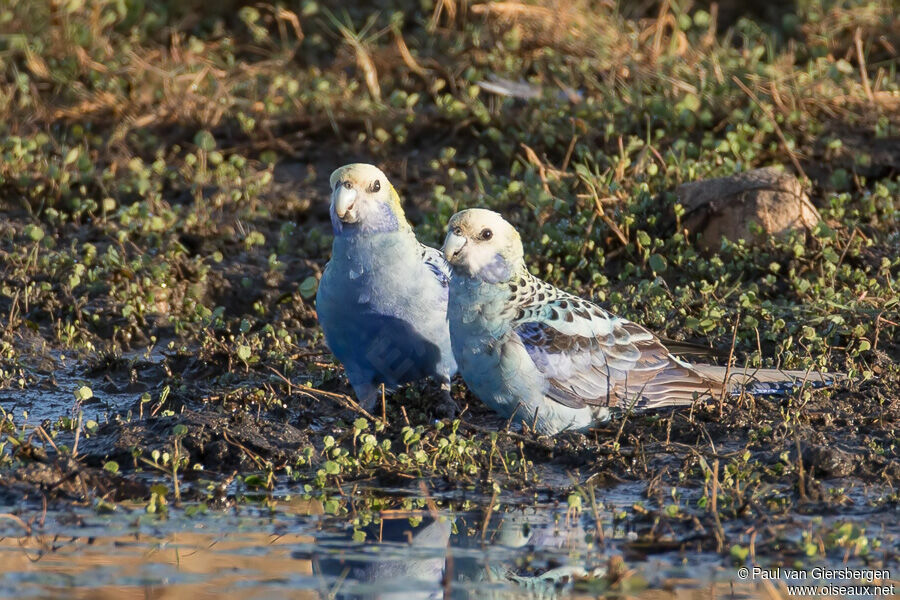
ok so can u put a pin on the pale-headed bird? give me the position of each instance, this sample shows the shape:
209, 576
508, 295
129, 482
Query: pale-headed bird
556, 362
382, 300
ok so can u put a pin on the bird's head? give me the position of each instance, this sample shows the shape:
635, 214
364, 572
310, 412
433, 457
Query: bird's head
481, 244
363, 199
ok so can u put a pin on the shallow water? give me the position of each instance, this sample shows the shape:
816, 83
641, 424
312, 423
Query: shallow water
296, 551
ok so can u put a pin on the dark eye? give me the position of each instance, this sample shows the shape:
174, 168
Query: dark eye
376, 186
487, 234
457, 231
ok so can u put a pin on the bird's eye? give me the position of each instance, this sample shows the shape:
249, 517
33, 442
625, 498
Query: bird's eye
487, 234
457, 231
376, 186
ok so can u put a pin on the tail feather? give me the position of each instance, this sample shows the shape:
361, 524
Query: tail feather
683, 384
767, 382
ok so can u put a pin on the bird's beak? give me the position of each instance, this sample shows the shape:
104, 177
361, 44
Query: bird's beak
344, 198
453, 245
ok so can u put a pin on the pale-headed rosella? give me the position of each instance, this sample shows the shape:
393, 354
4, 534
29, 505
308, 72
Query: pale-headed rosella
382, 300
556, 362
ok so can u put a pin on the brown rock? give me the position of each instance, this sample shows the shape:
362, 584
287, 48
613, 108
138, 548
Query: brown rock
725, 207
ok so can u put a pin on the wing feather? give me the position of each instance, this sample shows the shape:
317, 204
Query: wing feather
591, 357
434, 260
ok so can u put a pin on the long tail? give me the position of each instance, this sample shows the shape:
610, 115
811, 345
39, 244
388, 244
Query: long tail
766, 382
682, 384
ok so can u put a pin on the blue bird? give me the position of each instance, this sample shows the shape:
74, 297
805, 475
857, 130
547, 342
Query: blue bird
554, 361
382, 300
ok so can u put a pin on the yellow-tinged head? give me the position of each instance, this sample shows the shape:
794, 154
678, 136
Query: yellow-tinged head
363, 198
482, 244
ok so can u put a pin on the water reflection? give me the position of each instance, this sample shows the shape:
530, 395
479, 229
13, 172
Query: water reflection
458, 556
408, 559
297, 552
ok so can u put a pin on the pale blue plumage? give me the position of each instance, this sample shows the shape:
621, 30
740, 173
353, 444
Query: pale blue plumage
554, 361
382, 300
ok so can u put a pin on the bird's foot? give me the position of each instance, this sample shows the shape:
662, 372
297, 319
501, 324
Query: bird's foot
368, 395
446, 407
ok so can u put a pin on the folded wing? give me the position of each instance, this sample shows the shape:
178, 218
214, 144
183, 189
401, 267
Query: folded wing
591, 357
435, 261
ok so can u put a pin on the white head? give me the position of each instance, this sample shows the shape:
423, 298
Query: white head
481, 244
362, 199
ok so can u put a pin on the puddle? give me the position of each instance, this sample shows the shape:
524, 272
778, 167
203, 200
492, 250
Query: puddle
285, 554
296, 551
51, 396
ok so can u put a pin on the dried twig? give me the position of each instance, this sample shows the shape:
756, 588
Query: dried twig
357, 41
18, 521
606, 219
737, 320
342, 399
407, 56
861, 59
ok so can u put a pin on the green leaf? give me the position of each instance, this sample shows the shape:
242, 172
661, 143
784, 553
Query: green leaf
657, 263
574, 501
179, 430
111, 466
844, 530
83, 393
691, 103
205, 140
254, 481
104, 507
34, 232
332, 468
244, 352
71, 155
308, 288
739, 553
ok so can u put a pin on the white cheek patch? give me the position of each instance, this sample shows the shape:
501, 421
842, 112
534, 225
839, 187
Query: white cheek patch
486, 264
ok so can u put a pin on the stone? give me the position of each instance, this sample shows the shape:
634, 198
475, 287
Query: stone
726, 207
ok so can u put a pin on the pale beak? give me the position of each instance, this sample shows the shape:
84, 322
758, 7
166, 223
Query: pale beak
453, 245
344, 198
